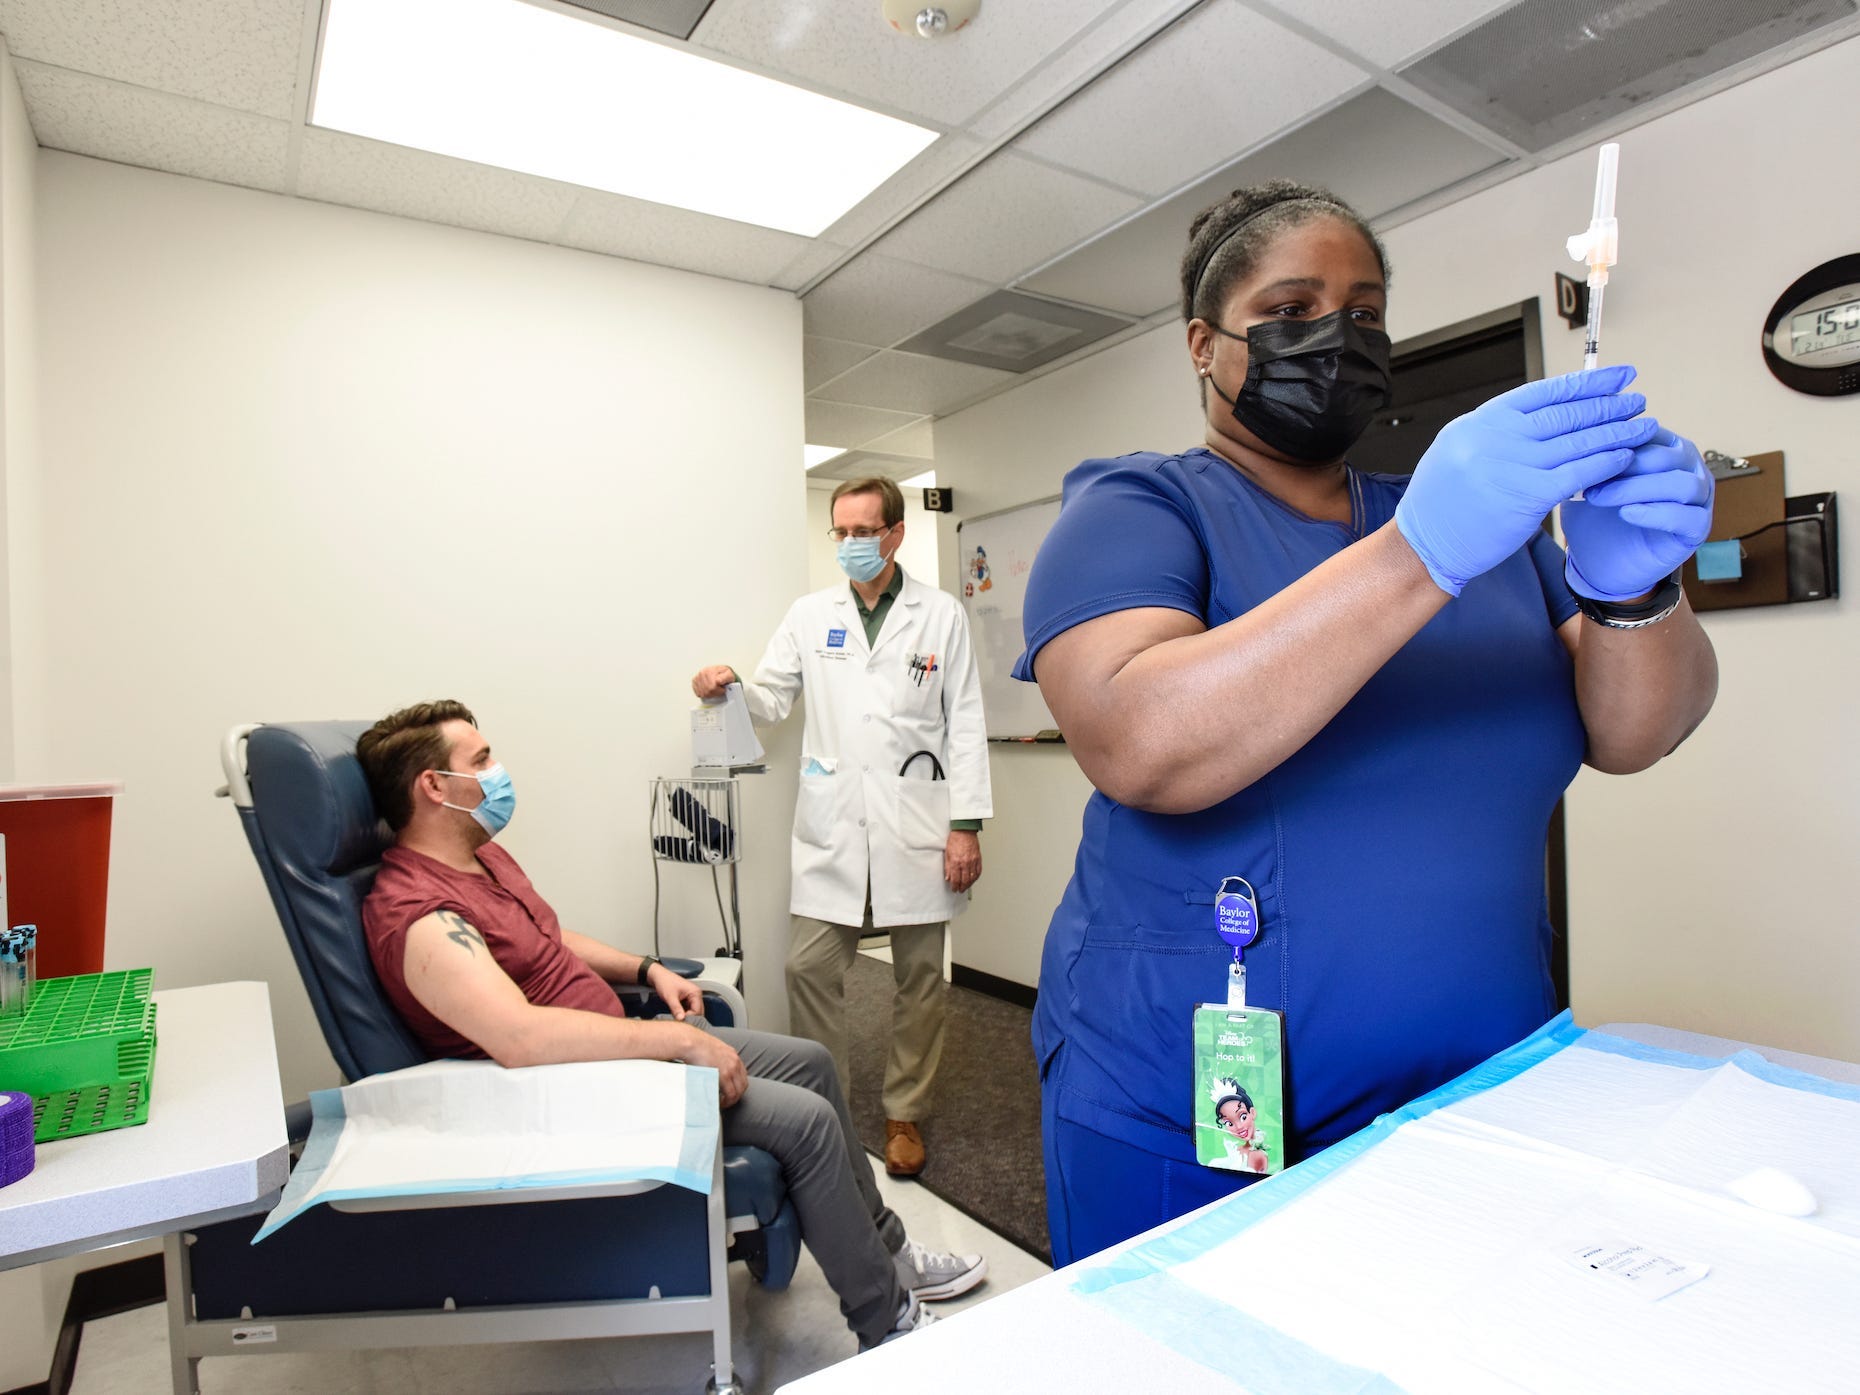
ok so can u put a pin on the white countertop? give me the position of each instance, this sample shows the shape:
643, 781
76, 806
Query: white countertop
214, 1145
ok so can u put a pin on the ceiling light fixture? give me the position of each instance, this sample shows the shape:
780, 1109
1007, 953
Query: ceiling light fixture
521, 87
929, 21
820, 455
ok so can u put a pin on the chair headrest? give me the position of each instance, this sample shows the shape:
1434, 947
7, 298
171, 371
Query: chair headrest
329, 821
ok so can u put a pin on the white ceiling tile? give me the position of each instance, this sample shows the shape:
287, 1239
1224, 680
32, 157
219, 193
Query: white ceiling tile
963, 229
1389, 31
837, 424
914, 383
665, 236
845, 46
904, 190
241, 55
917, 440
338, 168
822, 360
1375, 151
1087, 52
875, 300
811, 263
1219, 82
133, 126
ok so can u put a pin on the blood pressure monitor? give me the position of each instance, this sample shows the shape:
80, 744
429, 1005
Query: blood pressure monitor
1811, 340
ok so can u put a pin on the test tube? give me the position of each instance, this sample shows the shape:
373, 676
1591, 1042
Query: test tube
11, 973
19, 954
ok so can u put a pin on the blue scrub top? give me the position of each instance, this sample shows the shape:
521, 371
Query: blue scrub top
1398, 858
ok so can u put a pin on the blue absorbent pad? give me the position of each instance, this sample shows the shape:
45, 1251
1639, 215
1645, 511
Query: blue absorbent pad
1139, 1284
472, 1126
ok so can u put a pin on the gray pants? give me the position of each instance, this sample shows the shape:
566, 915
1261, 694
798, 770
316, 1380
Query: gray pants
819, 956
794, 1109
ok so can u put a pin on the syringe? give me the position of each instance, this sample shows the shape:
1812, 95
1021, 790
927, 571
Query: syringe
1598, 247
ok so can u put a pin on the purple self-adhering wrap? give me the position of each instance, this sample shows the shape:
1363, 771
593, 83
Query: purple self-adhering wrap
16, 1153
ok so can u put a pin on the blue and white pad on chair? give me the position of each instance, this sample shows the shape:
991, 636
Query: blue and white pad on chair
451, 1127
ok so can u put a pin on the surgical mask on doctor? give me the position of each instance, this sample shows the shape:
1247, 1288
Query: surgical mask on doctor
1312, 386
499, 802
860, 558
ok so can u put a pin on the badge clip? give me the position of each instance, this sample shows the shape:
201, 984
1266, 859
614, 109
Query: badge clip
1236, 920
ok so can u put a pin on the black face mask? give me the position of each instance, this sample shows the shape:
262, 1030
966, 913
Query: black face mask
1312, 386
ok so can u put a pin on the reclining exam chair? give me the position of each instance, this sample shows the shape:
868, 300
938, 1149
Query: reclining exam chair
615, 1260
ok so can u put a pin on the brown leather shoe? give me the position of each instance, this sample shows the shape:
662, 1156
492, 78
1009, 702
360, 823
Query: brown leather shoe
904, 1148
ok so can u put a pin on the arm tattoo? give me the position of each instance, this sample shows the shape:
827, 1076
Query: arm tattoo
462, 933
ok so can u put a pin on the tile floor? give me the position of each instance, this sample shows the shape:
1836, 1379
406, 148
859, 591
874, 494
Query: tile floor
779, 1337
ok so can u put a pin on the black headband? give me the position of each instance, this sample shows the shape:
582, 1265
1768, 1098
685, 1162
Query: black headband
1207, 257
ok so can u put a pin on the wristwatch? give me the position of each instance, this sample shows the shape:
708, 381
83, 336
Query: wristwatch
645, 967
1633, 615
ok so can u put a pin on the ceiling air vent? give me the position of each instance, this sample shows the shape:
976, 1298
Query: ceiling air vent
1014, 332
1544, 72
675, 17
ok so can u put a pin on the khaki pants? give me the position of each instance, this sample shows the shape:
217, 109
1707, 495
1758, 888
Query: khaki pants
819, 956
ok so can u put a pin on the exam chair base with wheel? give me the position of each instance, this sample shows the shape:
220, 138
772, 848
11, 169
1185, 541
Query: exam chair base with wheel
633, 1258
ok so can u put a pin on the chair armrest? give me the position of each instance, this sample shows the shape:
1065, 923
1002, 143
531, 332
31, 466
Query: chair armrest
717, 978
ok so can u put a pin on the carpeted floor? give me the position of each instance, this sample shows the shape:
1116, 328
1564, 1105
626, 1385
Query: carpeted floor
984, 1141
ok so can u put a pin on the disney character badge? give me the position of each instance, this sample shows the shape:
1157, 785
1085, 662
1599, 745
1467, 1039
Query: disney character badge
1239, 1079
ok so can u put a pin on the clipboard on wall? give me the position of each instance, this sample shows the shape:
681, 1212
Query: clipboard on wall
1773, 548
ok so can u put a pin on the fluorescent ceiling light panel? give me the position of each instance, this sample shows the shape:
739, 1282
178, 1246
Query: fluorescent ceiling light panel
927, 480
501, 82
820, 455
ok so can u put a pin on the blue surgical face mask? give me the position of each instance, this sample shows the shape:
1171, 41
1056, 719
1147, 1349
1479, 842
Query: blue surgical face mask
860, 558
499, 802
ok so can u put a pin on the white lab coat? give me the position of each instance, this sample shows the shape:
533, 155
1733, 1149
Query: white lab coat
868, 709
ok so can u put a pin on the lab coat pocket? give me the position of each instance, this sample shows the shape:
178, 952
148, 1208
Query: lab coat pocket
923, 815
815, 804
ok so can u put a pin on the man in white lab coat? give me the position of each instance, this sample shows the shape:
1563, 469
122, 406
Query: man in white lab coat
894, 788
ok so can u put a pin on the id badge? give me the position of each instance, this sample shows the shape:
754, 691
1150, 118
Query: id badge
1239, 1089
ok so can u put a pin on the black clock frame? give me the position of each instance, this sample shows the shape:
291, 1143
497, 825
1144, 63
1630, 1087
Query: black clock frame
1837, 381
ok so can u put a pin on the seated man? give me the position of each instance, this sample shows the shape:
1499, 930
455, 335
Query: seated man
477, 964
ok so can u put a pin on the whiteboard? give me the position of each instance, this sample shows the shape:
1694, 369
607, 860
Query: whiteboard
997, 552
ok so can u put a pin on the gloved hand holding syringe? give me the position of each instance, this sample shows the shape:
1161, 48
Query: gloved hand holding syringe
1626, 534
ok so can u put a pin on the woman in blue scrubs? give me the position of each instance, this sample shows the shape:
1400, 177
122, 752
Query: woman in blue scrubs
1364, 694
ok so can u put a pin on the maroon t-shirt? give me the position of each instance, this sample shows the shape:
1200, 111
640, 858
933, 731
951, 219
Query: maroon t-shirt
519, 928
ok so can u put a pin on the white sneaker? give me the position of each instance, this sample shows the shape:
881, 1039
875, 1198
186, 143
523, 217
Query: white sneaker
914, 1318
931, 1275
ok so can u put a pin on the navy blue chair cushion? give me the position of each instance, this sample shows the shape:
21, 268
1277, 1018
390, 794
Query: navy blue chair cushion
319, 841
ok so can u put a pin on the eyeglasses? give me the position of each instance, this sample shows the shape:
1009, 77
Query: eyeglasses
841, 534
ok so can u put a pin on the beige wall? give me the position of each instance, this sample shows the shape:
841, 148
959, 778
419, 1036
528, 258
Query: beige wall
303, 461
33, 1299
1710, 893
21, 630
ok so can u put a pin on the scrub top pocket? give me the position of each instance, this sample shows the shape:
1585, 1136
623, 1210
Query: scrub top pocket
1137, 1047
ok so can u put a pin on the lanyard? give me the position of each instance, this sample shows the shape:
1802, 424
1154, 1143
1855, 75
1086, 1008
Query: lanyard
1236, 920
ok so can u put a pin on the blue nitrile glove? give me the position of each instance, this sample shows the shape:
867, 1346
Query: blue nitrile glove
1627, 534
1492, 476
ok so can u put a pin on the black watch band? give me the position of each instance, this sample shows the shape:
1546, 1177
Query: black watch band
1632, 615
645, 967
